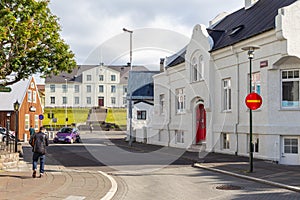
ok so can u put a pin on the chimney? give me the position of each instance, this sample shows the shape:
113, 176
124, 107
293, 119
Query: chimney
162, 65
250, 3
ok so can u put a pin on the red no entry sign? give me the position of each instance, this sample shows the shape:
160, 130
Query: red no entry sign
253, 101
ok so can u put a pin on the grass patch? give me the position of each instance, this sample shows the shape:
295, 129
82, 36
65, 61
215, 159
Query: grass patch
117, 116
75, 115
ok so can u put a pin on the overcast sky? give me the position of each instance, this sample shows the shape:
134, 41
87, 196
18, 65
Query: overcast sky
93, 28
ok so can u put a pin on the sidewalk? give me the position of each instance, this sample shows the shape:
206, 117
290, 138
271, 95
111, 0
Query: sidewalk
267, 172
57, 183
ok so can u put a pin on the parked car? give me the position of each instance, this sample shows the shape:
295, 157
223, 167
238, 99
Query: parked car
3, 134
68, 135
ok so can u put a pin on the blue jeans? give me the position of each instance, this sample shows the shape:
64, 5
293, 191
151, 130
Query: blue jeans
35, 159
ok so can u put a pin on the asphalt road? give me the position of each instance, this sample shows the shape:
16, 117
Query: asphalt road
155, 175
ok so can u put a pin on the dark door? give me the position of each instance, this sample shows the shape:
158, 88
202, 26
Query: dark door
200, 123
100, 101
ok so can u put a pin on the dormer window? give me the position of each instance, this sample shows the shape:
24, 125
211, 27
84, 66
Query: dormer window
235, 30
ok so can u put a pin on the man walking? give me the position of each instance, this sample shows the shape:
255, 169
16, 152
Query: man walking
39, 141
31, 131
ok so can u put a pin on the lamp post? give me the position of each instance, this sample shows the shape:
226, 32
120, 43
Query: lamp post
16, 108
250, 50
66, 111
130, 51
130, 97
8, 114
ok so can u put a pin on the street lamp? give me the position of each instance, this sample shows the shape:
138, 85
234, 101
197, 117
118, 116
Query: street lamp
66, 111
130, 97
130, 52
250, 50
16, 108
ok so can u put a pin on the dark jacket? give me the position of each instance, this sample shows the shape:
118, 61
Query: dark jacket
39, 141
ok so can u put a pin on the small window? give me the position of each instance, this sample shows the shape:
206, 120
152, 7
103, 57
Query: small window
52, 100
226, 94
101, 88
65, 88
36, 122
141, 114
180, 97
76, 88
291, 145
88, 77
113, 100
290, 89
64, 100
27, 120
34, 96
113, 77
113, 89
225, 140
235, 30
76, 100
89, 100
29, 95
179, 136
101, 78
52, 88
162, 103
88, 88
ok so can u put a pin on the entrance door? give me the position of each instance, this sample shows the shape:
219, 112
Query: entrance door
100, 101
289, 151
200, 123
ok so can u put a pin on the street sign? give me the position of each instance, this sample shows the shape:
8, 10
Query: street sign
253, 101
5, 89
41, 117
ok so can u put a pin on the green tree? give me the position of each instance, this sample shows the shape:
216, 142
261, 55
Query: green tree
30, 42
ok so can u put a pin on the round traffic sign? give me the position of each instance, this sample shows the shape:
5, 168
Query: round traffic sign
41, 117
253, 101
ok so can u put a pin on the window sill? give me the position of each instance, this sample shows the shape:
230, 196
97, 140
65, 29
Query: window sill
226, 111
180, 112
289, 109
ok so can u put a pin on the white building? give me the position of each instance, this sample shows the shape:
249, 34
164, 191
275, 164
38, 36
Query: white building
89, 86
200, 98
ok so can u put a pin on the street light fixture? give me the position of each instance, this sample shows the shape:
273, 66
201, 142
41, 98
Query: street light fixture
16, 108
130, 97
250, 50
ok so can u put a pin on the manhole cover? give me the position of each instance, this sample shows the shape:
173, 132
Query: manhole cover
228, 187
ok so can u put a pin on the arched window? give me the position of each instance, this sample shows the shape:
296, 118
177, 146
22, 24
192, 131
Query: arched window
197, 67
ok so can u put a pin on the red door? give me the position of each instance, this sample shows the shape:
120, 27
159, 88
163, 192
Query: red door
100, 101
200, 123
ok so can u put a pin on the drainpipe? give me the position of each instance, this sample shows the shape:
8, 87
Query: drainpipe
237, 98
169, 113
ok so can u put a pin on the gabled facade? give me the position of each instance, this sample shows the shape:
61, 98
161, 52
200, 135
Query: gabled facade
26, 93
215, 70
89, 86
140, 96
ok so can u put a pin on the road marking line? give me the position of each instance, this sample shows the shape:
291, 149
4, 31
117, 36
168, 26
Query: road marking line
74, 198
114, 187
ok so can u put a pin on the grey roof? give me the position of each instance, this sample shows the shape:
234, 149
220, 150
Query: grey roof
140, 84
76, 74
18, 92
246, 23
177, 58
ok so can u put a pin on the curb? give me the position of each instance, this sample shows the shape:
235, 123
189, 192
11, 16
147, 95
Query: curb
288, 187
114, 187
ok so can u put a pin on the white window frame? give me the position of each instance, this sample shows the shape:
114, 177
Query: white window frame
76, 88
180, 100
27, 121
101, 88
52, 102
292, 75
225, 141
88, 100
113, 77
141, 114
36, 122
197, 68
113, 89
113, 100
52, 88
227, 98
88, 89
292, 147
64, 88
88, 77
34, 94
64, 100
162, 103
101, 77
256, 82
179, 136
29, 96
76, 100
